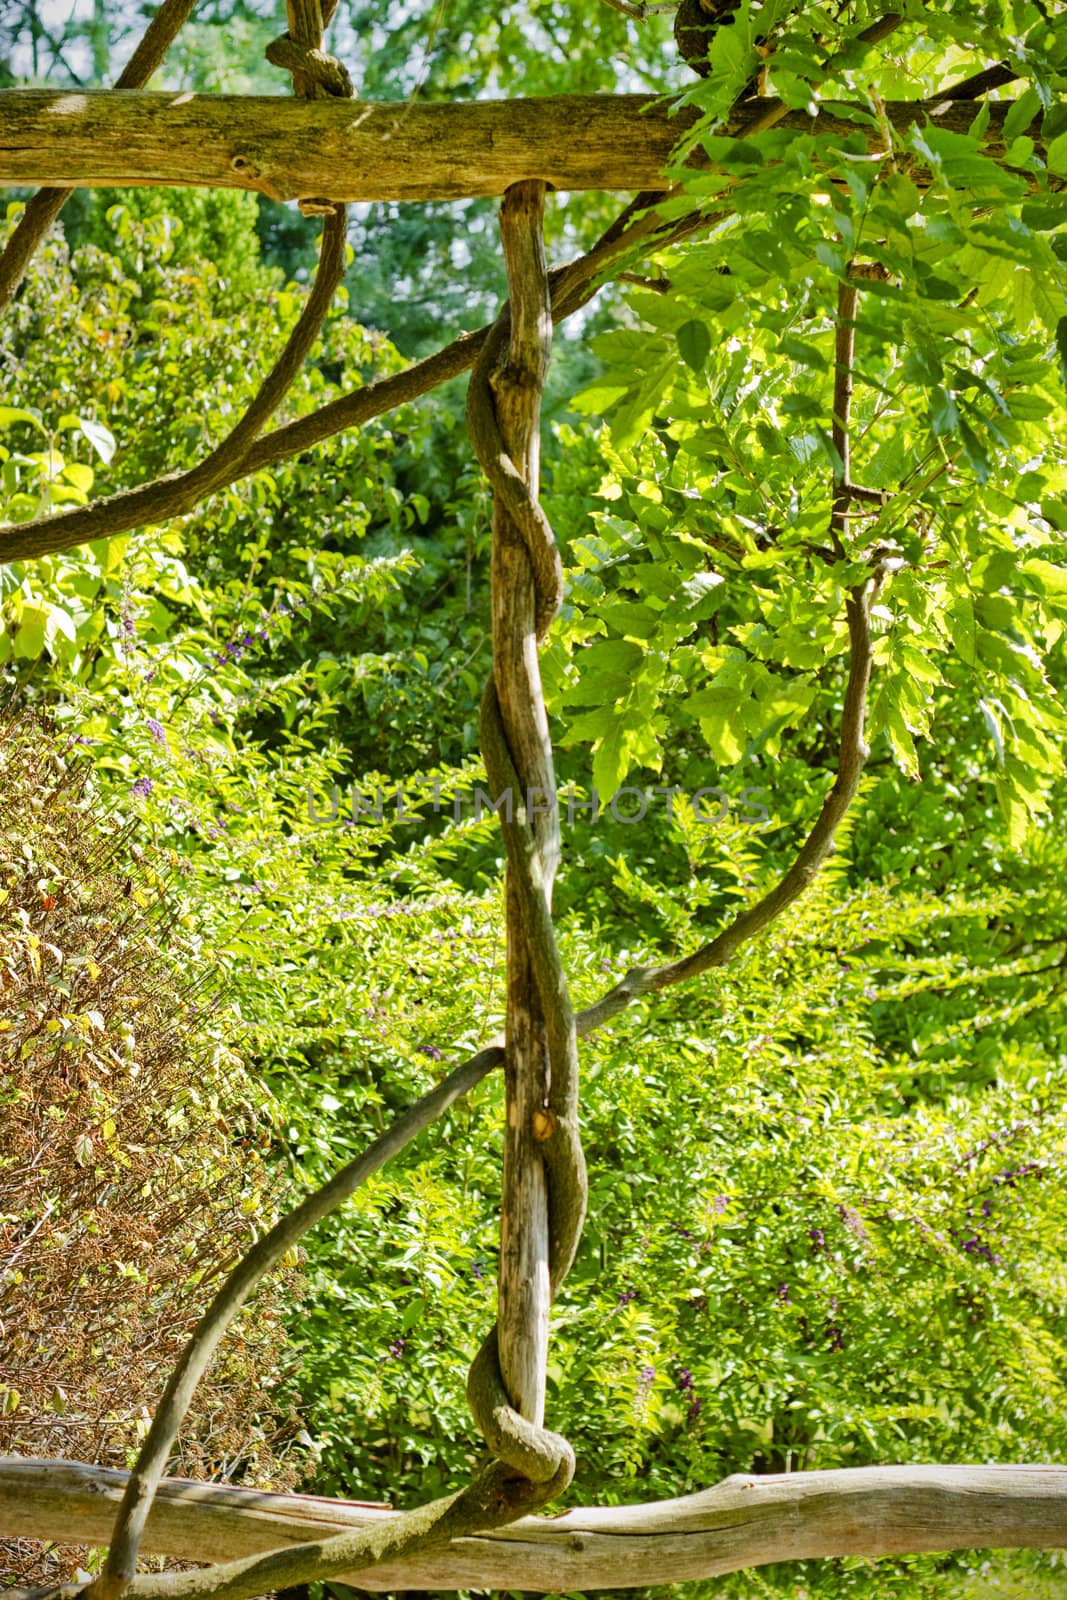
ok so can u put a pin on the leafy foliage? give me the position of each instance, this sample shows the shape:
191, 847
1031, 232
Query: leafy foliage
134, 1148
827, 1200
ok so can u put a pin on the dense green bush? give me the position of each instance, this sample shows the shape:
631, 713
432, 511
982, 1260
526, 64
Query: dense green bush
827, 1181
135, 1148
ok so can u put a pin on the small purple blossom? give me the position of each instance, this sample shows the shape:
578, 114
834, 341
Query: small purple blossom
430, 1050
782, 1294
720, 1204
685, 1380
397, 1348
646, 1377
695, 1408
626, 1296
142, 787
854, 1223
818, 1238
157, 730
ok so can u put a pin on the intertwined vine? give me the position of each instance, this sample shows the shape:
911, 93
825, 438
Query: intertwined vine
544, 1183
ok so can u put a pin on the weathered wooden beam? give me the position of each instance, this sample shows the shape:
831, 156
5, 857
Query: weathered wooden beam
742, 1522
355, 150
340, 149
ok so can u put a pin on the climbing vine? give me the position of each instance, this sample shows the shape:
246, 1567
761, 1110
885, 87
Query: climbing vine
867, 532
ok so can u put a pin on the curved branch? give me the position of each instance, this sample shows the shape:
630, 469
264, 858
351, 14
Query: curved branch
43, 209
813, 852
261, 1259
172, 497
742, 1522
495, 1497
573, 285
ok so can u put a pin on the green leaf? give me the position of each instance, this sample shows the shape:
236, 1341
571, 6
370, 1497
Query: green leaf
1022, 114
9, 415
101, 438
610, 763
694, 343
1056, 156
1061, 344
944, 417
1049, 579
29, 640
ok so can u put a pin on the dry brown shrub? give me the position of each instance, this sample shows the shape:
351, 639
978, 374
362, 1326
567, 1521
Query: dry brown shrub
133, 1151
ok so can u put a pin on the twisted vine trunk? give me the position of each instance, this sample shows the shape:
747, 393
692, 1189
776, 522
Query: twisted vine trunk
543, 1198
523, 1288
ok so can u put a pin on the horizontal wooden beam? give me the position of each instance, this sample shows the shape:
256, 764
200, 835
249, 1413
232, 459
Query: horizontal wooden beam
742, 1522
354, 150
334, 149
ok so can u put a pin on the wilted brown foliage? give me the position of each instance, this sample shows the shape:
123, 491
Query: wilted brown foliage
132, 1148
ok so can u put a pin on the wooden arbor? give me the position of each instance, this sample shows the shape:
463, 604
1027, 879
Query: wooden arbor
325, 148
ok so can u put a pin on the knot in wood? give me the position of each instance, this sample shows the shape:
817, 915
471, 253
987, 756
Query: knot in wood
316, 74
544, 1124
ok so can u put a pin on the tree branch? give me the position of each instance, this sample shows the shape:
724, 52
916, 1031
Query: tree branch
844, 356
742, 1522
43, 209
261, 1259
573, 285
817, 846
363, 151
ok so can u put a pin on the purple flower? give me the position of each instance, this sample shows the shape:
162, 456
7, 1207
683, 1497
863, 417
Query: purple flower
646, 1376
397, 1348
818, 1238
685, 1380
626, 1296
143, 787
721, 1203
430, 1050
695, 1408
157, 730
782, 1295
853, 1222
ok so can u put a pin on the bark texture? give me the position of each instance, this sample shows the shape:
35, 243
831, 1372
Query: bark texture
356, 150
741, 1522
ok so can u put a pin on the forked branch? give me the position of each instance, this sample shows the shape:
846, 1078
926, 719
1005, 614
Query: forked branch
178, 494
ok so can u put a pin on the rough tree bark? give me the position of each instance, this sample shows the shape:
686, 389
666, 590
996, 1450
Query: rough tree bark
355, 150
324, 151
524, 1294
741, 1522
